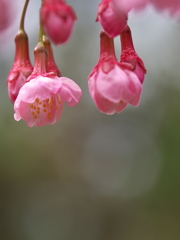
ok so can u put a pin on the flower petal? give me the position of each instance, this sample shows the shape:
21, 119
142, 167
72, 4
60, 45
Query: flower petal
103, 104
113, 84
70, 92
39, 87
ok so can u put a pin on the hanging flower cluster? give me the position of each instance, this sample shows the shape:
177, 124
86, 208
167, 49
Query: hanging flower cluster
39, 91
112, 84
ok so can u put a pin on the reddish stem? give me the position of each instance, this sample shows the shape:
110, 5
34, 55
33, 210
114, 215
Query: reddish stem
106, 46
126, 38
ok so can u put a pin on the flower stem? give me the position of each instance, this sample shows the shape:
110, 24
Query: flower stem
126, 38
41, 33
23, 15
41, 30
106, 46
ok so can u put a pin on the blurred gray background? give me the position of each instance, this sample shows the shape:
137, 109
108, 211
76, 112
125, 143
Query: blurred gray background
92, 176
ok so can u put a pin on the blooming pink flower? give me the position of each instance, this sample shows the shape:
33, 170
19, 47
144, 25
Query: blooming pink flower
40, 101
112, 87
58, 20
129, 58
113, 22
21, 68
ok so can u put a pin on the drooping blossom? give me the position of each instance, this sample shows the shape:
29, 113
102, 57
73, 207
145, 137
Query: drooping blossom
129, 58
40, 101
112, 21
111, 87
57, 19
21, 68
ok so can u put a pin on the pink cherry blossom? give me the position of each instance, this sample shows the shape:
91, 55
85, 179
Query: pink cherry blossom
129, 58
111, 87
113, 22
112, 91
40, 101
58, 20
21, 68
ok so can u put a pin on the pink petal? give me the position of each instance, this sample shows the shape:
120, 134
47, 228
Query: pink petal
135, 87
102, 103
70, 92
23, 111
15, 84
115, 85
39, 87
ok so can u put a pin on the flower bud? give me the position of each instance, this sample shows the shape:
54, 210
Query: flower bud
57, 19
21, 68
129, 58
113, 22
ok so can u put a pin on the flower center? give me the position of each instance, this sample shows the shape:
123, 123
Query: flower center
45, 107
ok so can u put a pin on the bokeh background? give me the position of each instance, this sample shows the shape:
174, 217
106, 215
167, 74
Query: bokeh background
92, 176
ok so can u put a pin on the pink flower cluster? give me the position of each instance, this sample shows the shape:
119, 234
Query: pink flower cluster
40, 100
113, 14
112, 84
39, 92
